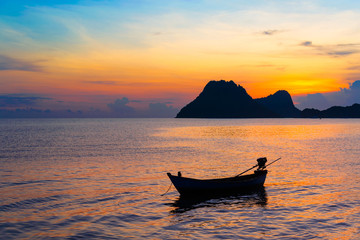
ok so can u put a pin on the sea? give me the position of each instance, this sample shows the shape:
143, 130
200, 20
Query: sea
105, 178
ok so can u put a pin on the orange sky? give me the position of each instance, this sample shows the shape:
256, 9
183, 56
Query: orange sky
167, 52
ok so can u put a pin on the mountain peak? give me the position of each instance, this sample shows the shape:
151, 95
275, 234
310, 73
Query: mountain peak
280, 103
223, 99
223, 86
282, 93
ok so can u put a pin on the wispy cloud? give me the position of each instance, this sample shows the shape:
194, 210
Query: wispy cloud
337, 50
18, 100
101, 82
354, 68
342, 53
271, 32
306, 43
9, 63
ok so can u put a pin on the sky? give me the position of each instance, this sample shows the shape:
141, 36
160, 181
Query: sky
142, 58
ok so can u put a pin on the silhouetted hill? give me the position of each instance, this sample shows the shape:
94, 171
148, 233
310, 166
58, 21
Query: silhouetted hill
280, 103
221, 99
333, 112
311, 113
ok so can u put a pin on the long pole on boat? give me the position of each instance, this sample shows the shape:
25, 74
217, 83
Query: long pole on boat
273, 162
246, 170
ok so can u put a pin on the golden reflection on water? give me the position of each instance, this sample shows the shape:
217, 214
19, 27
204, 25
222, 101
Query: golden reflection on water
313, 190
298, 132
311, 165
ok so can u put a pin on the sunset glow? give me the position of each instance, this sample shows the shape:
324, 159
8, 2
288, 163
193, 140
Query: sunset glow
165, 52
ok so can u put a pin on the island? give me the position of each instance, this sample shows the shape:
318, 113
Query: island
226, 99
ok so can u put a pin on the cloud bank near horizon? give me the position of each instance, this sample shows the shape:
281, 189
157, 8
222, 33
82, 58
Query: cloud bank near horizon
24, 105
17, 105
343, 97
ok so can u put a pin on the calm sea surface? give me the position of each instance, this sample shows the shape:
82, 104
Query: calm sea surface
103, 178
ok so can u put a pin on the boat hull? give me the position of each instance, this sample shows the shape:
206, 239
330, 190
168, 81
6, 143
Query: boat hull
191, 186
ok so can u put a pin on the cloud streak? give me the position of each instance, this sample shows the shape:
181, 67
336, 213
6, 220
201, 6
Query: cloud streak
354, 68
306, 43
16, 100
9, 63
270, 32
114, 83
342, 53
337, 50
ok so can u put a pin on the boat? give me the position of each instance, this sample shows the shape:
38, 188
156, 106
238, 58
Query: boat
238, 183
192, 186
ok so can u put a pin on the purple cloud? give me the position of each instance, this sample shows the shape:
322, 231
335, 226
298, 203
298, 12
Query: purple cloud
344, 97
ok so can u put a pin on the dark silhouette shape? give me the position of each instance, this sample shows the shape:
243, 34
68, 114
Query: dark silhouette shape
195, 187
333, 112
342, 112
311, 113
281, 104
222, 99
261, 163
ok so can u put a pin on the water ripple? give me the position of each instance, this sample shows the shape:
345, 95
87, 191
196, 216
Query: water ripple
29, 203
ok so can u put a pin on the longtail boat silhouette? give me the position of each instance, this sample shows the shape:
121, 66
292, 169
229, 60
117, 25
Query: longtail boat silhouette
238, 183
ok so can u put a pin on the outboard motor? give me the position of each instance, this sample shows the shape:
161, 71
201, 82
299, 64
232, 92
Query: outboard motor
261, 163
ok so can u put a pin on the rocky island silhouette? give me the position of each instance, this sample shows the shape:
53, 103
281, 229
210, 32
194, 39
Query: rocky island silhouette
225, 99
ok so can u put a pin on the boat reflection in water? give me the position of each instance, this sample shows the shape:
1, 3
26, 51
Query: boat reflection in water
255, 197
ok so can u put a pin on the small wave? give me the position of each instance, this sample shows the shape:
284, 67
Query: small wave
91, 235
10, 184
28, 203
98, 200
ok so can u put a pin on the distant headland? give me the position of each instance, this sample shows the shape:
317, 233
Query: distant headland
225, 99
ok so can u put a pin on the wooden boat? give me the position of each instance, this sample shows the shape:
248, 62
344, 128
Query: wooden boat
239, 183
191, 186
